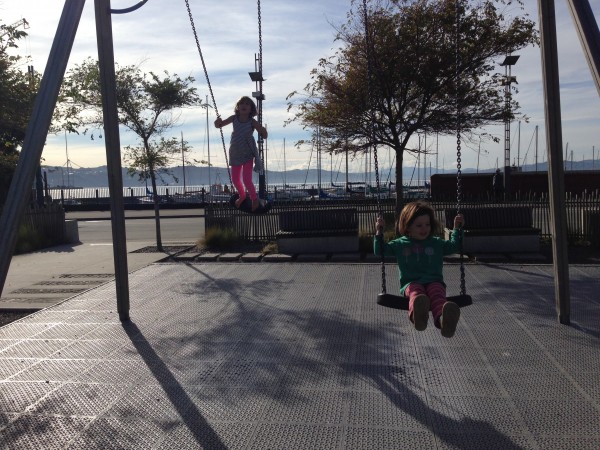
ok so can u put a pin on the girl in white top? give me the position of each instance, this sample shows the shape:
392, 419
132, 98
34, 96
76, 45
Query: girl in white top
242, 149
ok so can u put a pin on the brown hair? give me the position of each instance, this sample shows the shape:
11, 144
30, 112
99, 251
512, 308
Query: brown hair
413, 210
246, 99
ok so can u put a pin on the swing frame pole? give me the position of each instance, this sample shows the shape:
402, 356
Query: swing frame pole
108, 83
589, 35
556, 181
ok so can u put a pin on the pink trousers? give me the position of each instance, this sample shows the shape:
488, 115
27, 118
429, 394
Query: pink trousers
436, 293
242, 176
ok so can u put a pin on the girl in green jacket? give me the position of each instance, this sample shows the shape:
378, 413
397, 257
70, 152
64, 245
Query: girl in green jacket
420, 256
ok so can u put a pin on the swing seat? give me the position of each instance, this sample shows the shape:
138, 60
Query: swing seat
399, 302
246, 205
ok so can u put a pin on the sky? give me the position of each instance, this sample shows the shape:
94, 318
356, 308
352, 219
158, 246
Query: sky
295, 35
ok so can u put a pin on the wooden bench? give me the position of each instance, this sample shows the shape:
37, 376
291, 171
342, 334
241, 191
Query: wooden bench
496, 229
318, 231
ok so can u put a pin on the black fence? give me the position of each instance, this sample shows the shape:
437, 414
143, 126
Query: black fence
47, 221
583, 215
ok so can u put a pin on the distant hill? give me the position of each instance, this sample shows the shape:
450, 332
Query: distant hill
196, 176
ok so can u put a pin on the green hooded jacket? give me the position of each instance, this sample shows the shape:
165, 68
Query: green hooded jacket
419, 261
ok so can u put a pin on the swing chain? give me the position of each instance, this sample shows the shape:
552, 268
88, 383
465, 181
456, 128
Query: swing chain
259, 40
372, 138
212, 96
260, 64
380, 213
459, 193
260, 98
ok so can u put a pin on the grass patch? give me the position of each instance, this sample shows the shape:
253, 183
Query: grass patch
29, 239
365, 240
220, 239
270, 248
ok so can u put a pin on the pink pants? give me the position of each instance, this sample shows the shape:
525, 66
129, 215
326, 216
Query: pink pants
436, 293
243, 173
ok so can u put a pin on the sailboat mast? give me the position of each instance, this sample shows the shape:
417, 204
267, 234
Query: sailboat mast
425, 158
536, 148
183, 162
519, 147
67, 156
347, 185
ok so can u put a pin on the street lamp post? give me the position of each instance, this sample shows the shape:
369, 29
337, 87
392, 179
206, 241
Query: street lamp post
258, 79
207, 105
506, 81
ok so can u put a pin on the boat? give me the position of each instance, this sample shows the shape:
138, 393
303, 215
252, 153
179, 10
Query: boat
218, 193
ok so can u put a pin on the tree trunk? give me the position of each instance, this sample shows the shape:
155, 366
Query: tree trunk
399, 186
159, 246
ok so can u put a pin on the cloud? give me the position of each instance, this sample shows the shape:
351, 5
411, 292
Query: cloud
295, 35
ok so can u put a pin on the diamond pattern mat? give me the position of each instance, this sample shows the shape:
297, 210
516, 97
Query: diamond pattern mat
299, 356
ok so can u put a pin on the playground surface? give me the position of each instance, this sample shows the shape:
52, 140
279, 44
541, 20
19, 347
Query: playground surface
300, 356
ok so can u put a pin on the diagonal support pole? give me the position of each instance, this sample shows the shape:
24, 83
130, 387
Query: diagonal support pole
589, 35
556, 176
37, 130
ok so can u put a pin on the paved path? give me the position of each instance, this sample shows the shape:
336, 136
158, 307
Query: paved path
43, 278
299, 356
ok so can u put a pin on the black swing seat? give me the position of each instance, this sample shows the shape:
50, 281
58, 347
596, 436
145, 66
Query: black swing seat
399, 302
246, 205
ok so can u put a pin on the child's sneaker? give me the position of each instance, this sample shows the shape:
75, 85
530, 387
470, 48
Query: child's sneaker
421, 312
449, 319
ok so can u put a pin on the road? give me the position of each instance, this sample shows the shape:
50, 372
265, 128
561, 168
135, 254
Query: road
176, 226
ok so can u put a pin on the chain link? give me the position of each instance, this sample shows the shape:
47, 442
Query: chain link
368, 49
212, 96
459, 193
260, 90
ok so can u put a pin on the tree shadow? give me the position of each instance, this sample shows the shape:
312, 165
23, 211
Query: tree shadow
193, 419
534, 299
311, 342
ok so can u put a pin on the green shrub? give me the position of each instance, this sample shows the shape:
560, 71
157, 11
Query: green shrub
29, 240
221, 238
365, 243
270, 248
390, 222
365, 240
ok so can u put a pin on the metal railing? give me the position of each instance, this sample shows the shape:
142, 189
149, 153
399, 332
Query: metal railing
47, 221
583, 215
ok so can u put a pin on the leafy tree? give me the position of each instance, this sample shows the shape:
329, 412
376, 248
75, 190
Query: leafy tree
146, 104
17, 93
404, 78
154, 161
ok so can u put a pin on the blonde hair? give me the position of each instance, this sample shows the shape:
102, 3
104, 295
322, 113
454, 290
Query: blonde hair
413, 210
248, 100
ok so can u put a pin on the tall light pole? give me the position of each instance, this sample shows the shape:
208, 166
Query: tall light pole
506, 81
206, 105
258, 79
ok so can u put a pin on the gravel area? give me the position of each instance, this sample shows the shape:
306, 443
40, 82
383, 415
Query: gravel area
8, 317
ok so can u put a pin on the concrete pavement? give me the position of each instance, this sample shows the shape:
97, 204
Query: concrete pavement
134, 214
290, 356
43, 278
299, 357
